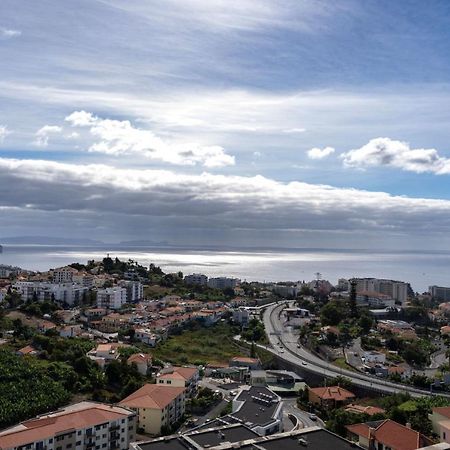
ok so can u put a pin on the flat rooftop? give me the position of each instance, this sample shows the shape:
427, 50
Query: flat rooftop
259, 407
313, 438
216, 437
208, 438
317, 439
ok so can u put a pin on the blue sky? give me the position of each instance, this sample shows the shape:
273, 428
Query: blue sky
239, 121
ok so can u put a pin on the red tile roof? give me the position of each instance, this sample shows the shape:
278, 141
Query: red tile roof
391, 434
81, 415
152, 396
361, 409
332, 393
443, 411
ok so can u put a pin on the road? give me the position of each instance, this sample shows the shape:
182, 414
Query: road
304, 421
284, 345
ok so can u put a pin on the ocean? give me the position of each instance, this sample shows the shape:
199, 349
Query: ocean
420, 268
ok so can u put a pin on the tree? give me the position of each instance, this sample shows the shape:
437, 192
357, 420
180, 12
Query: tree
332, 313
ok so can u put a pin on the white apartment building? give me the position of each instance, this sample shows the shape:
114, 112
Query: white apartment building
398, 290
196, 279
241, 316
440, 293
64, 274
84, 279
68, 293
82, 426
111, 298
135, 291
223, 283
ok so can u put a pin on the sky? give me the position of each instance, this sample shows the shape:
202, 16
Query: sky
222, 122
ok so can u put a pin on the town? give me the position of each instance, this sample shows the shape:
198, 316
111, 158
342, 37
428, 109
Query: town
112, 354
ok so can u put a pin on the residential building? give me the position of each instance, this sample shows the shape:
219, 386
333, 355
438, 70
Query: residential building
329, 397
223, 283
386, 434
134, 291
105, 353
196, 279
111, 298
438, 415
70, 331
243, 361
63, 275
440, 293
65, 293
156, 406
82, 426
143, 362
146, 335
397, 290
361, 409
84, 278
241, 316
285, 291
186, 377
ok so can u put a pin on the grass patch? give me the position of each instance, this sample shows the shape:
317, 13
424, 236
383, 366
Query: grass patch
200, 345
340, 362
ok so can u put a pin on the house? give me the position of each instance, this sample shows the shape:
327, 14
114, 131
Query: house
28, 350
70, 331
439, 415
105, 353
242, 361
361, 409
329, 397
156, 406
146, 336
386, 434
82, 425
143, 362
186, 377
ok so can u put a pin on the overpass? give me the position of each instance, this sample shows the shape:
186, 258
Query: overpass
284, 344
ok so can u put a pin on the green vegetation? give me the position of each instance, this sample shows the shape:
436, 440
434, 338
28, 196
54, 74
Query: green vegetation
199, 345
29, 388
255, 332
204, 401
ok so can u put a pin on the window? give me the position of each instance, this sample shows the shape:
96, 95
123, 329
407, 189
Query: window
104, 445
443, 435
78, 443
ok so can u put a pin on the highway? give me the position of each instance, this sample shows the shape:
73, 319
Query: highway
285, 346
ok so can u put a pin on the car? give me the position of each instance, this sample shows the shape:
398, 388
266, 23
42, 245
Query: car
355, 354
313, 417
281, 351
298, 345
304, 363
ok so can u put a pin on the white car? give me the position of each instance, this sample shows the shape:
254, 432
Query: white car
304, 363
313, 417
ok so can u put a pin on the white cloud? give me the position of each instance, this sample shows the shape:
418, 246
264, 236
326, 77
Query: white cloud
43, 134
320, 153
398, 154
119, 137
8, 33
294, 130
4, 132
214, 201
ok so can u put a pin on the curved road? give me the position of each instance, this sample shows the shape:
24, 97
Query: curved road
284, 345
